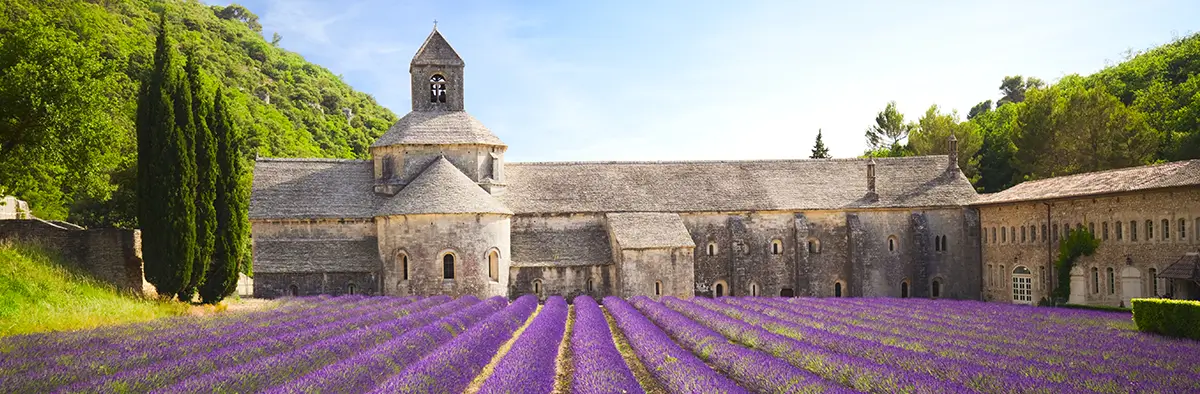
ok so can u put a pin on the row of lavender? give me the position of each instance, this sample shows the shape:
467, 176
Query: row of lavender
436, 344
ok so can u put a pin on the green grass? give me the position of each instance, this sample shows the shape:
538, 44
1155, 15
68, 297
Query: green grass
38, 295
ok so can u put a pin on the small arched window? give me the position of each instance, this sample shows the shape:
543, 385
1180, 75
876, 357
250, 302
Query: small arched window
403, 266
944, 245
937, 243
719, 289
753, 289
776, 246
1112, 283
437, 88
537, 287
892, 243
1044, 233
991, 274
589, 286
904, 289
350, 289
448, 266
494, 265
1183, 229
1132, 231
1149, 230
712, 248
935, 288
1003, 234
1166, 229
837, 289
1023, 239
814, 246
295, 291
1104, 231
1153, 282
1095, 280
658, 288
1120, 230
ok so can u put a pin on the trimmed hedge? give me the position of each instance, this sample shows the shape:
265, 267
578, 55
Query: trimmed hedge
1176, 318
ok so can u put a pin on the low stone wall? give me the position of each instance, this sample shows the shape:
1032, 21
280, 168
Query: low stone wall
109, 255
273, 285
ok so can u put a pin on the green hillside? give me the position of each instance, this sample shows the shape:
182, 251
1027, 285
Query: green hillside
38, 295
67, 139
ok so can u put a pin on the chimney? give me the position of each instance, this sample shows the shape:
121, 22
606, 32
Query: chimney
952, 150
871, 194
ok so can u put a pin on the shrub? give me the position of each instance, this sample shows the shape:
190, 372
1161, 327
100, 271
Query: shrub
1176, 318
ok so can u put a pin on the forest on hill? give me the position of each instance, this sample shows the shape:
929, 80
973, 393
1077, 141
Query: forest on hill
1141, 111
70, 72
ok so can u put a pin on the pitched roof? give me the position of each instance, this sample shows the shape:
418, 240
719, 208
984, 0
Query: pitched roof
312, 188
437, 51
649, 230
1174, 174
560, 247
316, 255
438, 128
1187, 267
692, 186
441, 188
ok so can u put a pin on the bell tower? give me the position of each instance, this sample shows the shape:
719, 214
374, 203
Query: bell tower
437, 76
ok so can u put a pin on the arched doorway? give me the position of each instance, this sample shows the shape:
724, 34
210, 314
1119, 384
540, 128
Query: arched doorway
295, 291
1022, 285
936, 288
719, 290
904, 289
837, 289
787, 292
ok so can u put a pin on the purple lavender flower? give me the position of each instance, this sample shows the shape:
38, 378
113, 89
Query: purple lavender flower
597, 366
530, 363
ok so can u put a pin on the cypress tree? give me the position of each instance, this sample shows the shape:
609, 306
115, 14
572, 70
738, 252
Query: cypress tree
179, 182
206, 174
231, 208
155, 132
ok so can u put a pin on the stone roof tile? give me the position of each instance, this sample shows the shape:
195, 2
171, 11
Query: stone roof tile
441, 188
438, 128
560, 247
1174, 174
437, 51
1187, 267
694, 186
316, 255
312, 189
649, 230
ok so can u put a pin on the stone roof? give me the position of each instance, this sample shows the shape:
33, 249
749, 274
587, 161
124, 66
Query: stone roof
560, 247
312, 189
1187, 267
693, 186
438, 128
1174, 174
649, 230
441, 188
316, 255
437, 51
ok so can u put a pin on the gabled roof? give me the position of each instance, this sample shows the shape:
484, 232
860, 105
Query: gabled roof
706, 186
312, 189
1174, 174
436, 51
1187, 267
441, 188
649, 230
438, 128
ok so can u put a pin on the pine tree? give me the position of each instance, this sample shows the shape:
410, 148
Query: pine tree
231, 208
819, 150
206, 174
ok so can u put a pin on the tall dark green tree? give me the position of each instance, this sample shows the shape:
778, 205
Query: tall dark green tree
819, 150
206, 175
231, 207
166, 172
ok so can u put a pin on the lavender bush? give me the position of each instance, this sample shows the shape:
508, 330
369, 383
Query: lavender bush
596, 365
529, 365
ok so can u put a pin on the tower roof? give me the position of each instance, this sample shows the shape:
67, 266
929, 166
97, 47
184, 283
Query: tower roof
442, 188
438, 128
437, 51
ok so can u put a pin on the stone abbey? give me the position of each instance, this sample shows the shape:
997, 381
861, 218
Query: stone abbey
437, 210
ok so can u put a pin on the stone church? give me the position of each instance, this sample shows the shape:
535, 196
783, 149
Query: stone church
437, 210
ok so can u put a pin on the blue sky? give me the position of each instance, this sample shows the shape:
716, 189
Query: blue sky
675, 80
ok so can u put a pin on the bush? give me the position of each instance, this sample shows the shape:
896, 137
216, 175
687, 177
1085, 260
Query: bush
1176, 318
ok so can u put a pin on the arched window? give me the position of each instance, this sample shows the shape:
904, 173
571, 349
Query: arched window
1044, 238
1153, 282
993, 235
658, 288
1003, 234
1104, 231
945, 247
589, 285
1112, 284
437, 88
776, 246
753, 289
1149, 230
937, 243
1022, 285
991, 274
350, 289
1183, 229
448, 266
837, 289
719, 289
1013, 231
295, 291
1166, 228
1120, 230
494, 265
1032, 233
1055, 233
904, 289
814, 246
1092, 229
892, 243
712, 248
537, 287
403, 259
1000, 281
1095, 280
1023, 239
935, 288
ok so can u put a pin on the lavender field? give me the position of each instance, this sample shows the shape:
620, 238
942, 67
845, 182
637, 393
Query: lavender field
730, 345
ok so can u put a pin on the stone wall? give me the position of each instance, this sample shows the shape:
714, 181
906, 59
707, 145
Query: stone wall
1004, 250
566, 281
407, 162
426, 239
273, 285
110, 255
320, 256
669, 271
